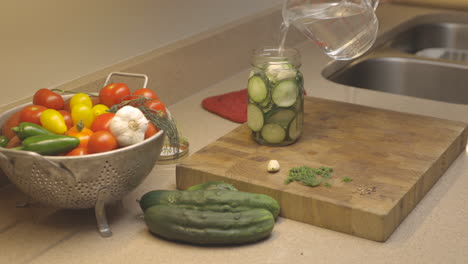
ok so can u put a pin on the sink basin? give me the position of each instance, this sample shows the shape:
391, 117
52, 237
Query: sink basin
427, 58
427, 79
436, 35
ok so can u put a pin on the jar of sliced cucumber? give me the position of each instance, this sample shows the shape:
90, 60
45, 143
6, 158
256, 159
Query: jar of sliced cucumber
276, 96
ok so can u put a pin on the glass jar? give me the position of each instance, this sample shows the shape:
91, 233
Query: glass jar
275, 109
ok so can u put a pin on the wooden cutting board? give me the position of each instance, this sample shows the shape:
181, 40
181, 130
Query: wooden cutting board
392, 158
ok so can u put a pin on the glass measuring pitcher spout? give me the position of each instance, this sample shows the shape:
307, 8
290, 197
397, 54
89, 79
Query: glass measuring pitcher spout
343, 29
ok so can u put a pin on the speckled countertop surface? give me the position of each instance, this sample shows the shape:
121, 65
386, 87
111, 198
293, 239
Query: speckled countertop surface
436, 231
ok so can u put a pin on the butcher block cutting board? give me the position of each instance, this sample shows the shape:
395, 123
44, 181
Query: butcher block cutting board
393, 159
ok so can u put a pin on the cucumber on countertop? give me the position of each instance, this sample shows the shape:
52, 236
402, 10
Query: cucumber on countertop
209, 227
210, 200
211, 213
212, 185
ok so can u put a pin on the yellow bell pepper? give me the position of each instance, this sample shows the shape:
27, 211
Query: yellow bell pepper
52, 120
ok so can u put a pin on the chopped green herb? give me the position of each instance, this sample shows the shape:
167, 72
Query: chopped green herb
309, 176
328, 185
347, 179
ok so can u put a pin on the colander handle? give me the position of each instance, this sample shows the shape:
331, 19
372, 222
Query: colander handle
62, 170
6, 164
144, 76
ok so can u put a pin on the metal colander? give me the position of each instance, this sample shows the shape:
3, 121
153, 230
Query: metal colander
81, 181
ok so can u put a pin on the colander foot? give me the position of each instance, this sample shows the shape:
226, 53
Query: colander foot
100, 211
25, 204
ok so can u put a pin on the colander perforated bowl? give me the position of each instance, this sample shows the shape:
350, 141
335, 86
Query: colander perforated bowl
81, 181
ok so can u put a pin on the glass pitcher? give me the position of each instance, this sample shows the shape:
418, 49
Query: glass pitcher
343, 29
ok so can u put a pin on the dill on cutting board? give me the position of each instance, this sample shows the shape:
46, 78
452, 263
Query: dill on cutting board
309, 176
347, 179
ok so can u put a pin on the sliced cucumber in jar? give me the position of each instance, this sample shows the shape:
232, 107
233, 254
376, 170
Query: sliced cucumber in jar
273, 133
282, 117
257, 89
295, 127
285, 93
266, 105
255, 118
300, 79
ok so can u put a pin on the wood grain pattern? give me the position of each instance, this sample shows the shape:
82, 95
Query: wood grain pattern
402, 155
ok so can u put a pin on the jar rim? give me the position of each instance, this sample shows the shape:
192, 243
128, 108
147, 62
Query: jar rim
275, 55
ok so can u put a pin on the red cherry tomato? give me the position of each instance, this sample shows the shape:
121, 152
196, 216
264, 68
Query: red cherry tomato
102, 122
113, 94
78, 151
48, 99
148, 93
151, 130
11, 122
67, 117
32, 113
101, 141
14, 142
66, 107
156, 105
95, 100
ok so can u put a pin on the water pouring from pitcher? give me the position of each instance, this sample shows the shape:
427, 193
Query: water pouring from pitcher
343, 29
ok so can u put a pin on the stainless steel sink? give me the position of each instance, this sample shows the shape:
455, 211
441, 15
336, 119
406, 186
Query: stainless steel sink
408, 76
439, 35
426, 59
447, 41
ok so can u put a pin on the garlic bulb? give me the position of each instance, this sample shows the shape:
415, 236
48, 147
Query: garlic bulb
128, 126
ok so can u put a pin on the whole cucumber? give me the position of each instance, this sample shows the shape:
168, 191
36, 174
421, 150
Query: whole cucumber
208, 227
213, 200
209, 185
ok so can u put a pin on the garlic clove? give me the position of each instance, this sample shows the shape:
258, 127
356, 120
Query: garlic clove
273, 166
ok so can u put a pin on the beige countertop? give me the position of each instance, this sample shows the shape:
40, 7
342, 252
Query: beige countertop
436, 231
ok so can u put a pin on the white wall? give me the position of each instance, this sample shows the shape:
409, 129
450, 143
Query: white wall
48, 42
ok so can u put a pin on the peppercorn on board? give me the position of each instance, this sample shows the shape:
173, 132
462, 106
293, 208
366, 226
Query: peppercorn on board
384, 162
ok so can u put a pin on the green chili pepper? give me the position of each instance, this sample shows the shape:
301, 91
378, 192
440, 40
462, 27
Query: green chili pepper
27, 129
49, 144
3, 141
